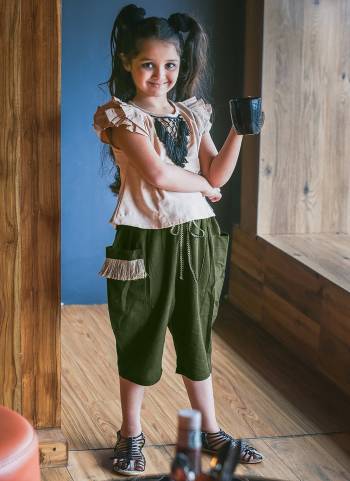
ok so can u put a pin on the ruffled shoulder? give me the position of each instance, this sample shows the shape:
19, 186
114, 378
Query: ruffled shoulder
116, 112
201, 111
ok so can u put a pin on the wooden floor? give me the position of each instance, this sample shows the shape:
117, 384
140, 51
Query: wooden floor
298, 420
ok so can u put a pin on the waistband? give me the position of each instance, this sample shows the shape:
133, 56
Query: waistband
189, 228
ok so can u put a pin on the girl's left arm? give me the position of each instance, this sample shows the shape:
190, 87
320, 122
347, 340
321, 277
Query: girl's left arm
217, 167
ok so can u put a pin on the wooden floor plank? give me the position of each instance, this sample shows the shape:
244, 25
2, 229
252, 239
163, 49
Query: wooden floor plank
55, 474
278, 384
96, 465
319, 457
273, 468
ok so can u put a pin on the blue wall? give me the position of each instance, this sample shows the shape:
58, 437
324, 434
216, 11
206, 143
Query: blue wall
87, 202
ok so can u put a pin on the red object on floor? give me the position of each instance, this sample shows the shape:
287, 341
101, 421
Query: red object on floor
19, 448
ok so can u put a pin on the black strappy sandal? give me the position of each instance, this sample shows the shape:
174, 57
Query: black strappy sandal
213, 442
128, 458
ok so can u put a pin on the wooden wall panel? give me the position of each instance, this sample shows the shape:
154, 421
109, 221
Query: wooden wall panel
254, 12
336, 312
10, 341
305, 311
40, 203
30, 210
299, 332
304, 178
247, 292
293, 281
248, 254
334, 353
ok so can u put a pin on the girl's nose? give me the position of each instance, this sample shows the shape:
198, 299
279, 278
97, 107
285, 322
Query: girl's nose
159, 73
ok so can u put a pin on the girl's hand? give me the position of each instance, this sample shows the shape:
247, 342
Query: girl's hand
213, 193
214, 198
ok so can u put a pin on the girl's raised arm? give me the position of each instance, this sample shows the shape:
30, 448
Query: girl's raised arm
216, 166
247, 118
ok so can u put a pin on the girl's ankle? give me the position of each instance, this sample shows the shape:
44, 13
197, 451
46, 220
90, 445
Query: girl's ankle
211, 430
130, 432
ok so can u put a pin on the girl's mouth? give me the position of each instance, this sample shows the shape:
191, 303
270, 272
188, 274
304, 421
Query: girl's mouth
157, 84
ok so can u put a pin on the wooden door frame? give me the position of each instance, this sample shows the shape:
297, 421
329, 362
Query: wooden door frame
30, 254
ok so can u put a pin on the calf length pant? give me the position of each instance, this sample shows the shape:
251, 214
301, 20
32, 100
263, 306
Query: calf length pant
165, 278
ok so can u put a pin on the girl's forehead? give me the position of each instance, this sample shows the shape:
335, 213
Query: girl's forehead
152, 49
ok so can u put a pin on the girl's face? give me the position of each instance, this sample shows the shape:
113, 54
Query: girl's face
155, 69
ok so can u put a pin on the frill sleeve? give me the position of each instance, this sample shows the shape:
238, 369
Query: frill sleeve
202, 113
115, 113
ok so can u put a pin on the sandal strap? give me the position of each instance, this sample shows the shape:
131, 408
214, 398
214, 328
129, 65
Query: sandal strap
220, 438
127, 452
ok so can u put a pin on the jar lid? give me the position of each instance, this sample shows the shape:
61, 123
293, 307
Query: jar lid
190, 419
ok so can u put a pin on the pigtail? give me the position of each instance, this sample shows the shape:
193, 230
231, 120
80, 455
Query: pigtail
120, 83
125, 27
194, 75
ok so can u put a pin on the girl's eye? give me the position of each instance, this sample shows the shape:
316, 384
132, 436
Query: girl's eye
146, 65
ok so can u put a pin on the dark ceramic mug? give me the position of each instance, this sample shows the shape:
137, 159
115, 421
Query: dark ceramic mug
246, 115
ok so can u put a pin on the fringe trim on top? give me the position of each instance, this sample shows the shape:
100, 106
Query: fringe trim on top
175, 139
123, 270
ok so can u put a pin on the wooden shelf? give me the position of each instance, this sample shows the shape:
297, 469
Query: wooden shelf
326, 254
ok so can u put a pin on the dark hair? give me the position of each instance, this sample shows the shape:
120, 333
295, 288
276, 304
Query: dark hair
130, 28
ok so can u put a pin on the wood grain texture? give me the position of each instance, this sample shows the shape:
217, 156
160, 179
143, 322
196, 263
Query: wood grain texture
39, 212
328, 255
30, 203
55, 474
311, 458
53, 447
294, 415
304, 178
273, 469
253, 40
255, 397
10, 247
96, 465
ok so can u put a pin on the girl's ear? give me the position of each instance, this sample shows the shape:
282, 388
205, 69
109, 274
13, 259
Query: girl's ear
125, 62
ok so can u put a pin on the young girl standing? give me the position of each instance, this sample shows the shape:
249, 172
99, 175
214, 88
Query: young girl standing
166, 266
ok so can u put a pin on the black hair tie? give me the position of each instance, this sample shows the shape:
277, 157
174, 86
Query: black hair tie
130, 16
180, 22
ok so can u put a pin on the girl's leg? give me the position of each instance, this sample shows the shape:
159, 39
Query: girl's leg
131, 396
201, 397
128, 457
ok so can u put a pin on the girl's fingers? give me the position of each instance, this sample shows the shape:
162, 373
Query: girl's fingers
215, 198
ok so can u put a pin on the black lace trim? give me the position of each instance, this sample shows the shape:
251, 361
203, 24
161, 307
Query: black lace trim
173, 133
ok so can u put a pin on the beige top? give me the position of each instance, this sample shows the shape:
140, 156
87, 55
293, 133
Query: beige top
139, 203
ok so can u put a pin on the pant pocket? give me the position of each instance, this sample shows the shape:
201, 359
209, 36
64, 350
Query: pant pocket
123, 264
127, 283
220, 242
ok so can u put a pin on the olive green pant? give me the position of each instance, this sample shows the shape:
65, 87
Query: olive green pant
159, 278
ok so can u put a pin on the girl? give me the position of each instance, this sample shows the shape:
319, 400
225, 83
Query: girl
167, 262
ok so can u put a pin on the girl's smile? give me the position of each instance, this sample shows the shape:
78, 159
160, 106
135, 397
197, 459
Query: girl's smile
157, 84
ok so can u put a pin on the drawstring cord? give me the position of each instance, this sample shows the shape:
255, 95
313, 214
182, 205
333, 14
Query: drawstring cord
178, 230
